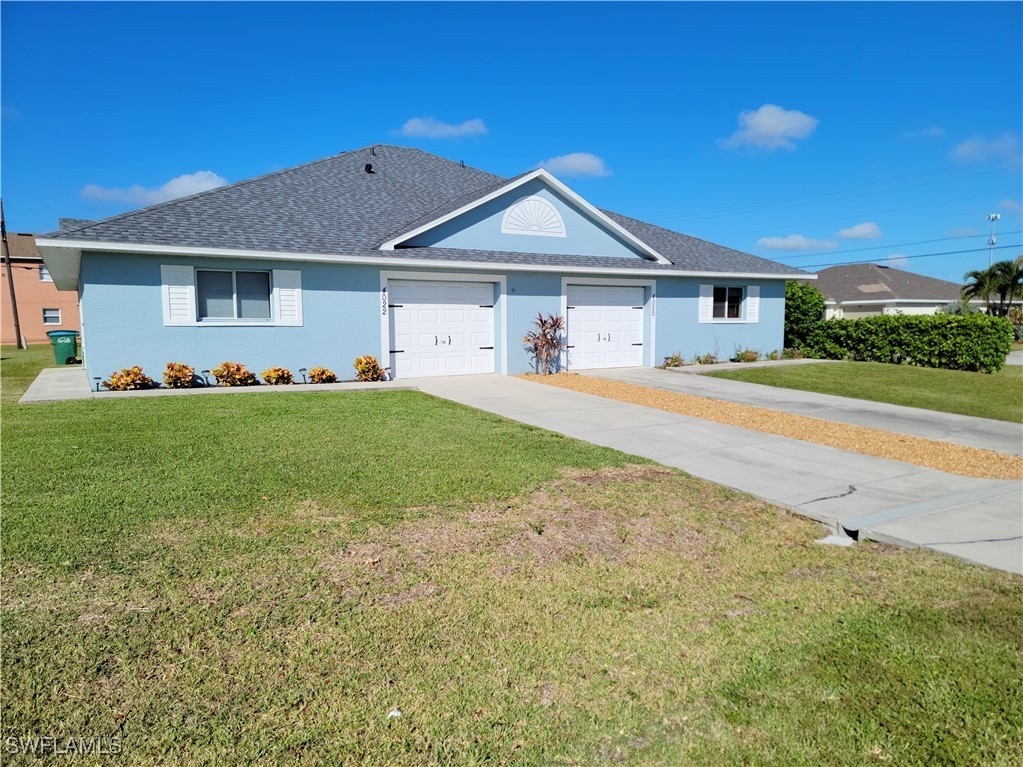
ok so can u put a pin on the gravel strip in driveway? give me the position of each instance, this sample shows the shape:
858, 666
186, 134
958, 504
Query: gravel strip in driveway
943, 456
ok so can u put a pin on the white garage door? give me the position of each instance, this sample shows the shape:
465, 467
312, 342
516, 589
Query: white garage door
441, 328
604, 327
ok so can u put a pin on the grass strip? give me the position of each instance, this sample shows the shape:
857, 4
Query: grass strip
981, 395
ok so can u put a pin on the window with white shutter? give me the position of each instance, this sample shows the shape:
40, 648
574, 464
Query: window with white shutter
178, 294
706, 303
753, 303
288, 297
729, 304
194, 296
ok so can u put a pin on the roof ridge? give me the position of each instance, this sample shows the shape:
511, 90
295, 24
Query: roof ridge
432, 214
236, 184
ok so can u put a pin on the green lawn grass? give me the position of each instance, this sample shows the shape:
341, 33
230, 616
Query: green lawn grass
261, 578
998, 395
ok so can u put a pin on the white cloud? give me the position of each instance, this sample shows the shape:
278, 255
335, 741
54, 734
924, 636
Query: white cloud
1011, 206
795, 242
932, 132
979, 148
576, 164
180, 186
770, 127
429, 127
898, 260
868, 230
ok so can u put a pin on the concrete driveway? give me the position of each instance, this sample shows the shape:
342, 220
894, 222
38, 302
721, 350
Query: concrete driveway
979, 520
1015, 358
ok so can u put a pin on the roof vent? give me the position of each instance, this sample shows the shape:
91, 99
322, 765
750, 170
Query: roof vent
462, 163
369, 168
373, 151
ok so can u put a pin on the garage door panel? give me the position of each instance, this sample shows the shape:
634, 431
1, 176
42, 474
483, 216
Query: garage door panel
604, 326
441, 326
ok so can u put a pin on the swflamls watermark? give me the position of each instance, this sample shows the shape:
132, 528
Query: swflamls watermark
50, 745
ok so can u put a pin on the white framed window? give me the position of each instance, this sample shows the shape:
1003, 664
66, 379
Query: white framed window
729, 303
51, 316
44, 274
197, 296
232, 295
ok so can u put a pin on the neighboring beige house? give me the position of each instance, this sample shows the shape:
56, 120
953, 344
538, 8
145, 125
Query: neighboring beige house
861, 290
41, 307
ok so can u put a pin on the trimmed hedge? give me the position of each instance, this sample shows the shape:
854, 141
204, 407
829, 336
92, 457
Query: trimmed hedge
954, 342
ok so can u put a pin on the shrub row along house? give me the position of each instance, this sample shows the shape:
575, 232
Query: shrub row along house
435, 267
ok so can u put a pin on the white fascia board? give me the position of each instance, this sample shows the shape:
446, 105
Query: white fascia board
590, 211
62, 263
856, 302
271, 255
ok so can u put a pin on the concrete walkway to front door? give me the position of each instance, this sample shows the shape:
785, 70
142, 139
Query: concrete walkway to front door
976, 519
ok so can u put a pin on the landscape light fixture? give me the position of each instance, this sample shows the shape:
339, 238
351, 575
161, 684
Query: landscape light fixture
205, 380
302, 371
97, 379
992, 217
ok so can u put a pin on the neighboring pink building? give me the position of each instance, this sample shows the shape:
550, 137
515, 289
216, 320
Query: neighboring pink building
41, 307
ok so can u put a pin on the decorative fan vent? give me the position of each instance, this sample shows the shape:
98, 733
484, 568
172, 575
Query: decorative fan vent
533, 215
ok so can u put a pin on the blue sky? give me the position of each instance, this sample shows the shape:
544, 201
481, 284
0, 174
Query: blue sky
803, 132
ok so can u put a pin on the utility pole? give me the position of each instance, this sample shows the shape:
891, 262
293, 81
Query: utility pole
992, 240
10, 276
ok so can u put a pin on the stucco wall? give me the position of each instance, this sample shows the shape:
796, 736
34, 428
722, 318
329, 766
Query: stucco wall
481, 228
123, 318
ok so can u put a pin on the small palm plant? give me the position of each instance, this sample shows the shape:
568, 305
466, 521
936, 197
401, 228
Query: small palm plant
546, 342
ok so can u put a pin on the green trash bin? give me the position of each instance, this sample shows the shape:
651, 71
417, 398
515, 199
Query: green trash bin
65, 346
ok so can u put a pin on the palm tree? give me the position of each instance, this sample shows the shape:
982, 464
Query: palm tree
1004, 279
981, 287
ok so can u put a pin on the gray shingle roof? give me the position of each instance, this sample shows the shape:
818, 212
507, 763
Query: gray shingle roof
333, 206
870, 282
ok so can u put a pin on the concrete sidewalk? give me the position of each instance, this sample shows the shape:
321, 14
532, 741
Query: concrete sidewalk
985, 433
976, 519
56, 384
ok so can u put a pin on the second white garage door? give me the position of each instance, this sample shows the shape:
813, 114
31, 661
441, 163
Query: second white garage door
441, 328
604, 326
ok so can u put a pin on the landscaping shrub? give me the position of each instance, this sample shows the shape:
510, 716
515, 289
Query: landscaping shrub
975, 342
322, 376
129, 379
1015, 317
234, 374
545, 342
747, 355
792, 354
705, 359
676, 360
804, 312
773, 355
277, 376
367, 368
178, 375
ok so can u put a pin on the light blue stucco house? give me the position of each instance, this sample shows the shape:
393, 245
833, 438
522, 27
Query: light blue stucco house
434, 267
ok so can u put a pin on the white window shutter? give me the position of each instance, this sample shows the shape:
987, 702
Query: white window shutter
706, 303
288, 297
178, 286
753, 303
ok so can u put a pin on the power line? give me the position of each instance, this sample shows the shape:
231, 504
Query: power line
723, 210
920, 255
886, 247
865, 215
